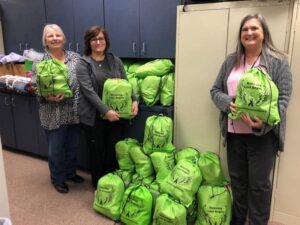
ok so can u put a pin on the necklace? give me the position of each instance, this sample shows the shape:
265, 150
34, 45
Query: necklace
253, 64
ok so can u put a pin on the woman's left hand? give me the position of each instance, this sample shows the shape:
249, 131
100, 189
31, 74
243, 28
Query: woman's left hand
254, 123
135, 108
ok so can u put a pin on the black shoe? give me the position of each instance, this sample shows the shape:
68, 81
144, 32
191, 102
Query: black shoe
61, 188
76, 179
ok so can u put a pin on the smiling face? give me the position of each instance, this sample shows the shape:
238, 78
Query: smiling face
252, 34
54, 39
98, 44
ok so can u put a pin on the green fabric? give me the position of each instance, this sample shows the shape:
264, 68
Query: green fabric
109, 196
192, 212
136, 179
168, 212
158, 134
183, 182
135, 86
167, 90
211, 168
125, 175
188, 153
214, 205
133, 67
122, 153
163, 164
149, 90
142, 162
52, 78
157, 67
257, 95
117, 96
137, 206
127, 63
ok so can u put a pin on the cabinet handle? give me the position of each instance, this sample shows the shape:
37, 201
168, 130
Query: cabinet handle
70, 45
77, 47
6, 102
134, 47
26, 46
13, 102
143, 48
20, 47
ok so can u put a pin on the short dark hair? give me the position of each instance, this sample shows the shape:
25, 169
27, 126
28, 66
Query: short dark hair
91, 33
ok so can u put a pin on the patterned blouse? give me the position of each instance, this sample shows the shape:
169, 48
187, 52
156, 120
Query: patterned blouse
55, 114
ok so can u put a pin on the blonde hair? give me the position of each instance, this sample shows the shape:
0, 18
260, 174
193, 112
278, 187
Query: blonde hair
51, 27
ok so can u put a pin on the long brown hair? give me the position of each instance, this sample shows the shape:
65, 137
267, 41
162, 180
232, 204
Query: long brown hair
267, 46
91, 33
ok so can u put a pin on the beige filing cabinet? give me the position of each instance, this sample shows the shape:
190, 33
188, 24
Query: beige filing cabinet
206, 34
286, 207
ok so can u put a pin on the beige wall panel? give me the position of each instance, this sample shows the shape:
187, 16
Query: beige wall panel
276, 17
201, 49
287, 198
4, 208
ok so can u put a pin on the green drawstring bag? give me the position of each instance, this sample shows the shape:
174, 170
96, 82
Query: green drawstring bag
211, 169
117, 96
149, 90
167, 90
109, 194
257, 95
52, 78
143, 164
214, 205
137, 206
127, 63
122, 153
183, 182
158, 134
188, 153
168, 212
157, 67
163, 164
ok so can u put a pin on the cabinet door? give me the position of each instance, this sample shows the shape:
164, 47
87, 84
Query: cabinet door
23, 23
6, 121
61, 13
25, 129
122, 25
86, 14
158, 28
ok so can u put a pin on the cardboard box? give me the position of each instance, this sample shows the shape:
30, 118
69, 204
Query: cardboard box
12, 69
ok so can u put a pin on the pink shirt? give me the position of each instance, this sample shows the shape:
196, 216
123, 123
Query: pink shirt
238, 125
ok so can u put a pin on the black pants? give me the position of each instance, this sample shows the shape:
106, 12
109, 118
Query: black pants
250, 161
101, 140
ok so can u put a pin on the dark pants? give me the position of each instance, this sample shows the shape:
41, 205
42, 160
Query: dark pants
101, 141
250, 161
63, 145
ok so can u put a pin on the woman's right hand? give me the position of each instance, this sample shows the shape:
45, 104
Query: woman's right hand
112, 116
232, 107
55, 98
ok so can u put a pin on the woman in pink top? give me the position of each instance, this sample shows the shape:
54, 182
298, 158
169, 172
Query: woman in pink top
251, 144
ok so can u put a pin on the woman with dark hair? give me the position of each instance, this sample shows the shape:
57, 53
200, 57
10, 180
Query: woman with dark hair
102, 125
251, 144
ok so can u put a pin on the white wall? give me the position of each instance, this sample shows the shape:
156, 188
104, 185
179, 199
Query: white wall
4, 208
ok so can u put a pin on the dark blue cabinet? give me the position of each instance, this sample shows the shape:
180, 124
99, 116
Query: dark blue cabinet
17, 127
22, 23
7, 130
75, 17
142, 28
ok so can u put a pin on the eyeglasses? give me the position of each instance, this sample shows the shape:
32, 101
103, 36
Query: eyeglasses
95, 40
